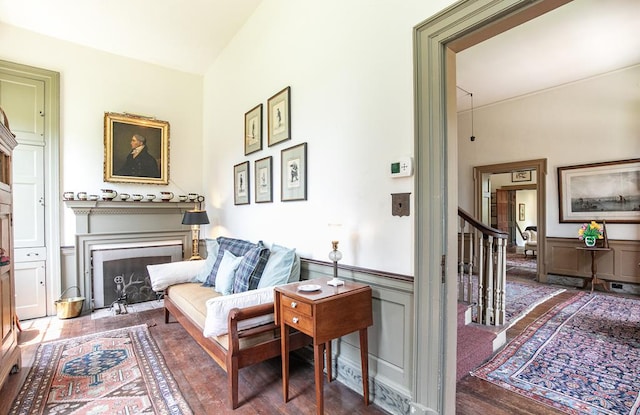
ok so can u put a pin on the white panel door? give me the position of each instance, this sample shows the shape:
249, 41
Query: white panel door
22, 99
30, 275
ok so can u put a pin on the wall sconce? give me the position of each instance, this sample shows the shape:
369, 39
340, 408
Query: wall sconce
195, 218
335, 256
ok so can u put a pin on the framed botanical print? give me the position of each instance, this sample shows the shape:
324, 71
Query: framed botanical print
263, 180
136, 149
253, 130
241, 184
279, 118
293, 173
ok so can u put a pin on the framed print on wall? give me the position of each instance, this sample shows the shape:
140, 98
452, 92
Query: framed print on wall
600, 191
293, 173
263, 180
279, 117
241, 184
521, 176
136, 149
253, 130
521, 212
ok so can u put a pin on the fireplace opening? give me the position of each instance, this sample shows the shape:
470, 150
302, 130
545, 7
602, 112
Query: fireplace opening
121, 269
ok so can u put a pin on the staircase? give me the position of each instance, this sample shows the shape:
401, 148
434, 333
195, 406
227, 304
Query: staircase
475, 344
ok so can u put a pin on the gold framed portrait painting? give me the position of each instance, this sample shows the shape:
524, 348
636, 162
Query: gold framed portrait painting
136, 149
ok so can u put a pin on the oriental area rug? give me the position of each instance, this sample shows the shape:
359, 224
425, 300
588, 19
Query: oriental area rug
114, 372
581, 357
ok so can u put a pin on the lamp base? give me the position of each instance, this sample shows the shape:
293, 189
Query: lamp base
335, 282
196, 257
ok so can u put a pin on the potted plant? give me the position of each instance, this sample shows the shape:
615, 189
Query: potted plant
590, 232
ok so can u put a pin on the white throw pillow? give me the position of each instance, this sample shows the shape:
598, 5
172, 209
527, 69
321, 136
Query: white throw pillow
278, 268
164, 275
212, 253
216, 323
226, 273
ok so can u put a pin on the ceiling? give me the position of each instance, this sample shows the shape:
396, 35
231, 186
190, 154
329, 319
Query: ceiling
579, 40
184, 35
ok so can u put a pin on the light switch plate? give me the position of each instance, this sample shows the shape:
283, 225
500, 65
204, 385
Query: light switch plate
403, 167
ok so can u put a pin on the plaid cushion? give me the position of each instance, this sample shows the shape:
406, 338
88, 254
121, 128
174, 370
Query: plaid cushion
237, 247
250, 269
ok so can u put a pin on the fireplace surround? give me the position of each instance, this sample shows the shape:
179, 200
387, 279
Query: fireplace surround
112, 223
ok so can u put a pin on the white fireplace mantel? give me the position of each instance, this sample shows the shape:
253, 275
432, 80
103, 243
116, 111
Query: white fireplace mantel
118, 222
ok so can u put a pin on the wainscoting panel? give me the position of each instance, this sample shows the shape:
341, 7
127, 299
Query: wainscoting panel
390, 337
621, 264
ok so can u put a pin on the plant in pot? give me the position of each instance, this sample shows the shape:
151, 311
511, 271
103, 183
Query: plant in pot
590, 232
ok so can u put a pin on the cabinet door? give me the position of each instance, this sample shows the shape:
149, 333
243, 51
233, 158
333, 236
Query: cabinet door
30, 278
6, 282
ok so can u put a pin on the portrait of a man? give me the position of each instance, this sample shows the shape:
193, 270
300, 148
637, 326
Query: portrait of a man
136, 149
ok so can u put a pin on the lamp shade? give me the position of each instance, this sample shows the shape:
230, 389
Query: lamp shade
195, 217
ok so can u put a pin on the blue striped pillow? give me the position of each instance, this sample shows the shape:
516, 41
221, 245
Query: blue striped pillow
237, 247
250, 269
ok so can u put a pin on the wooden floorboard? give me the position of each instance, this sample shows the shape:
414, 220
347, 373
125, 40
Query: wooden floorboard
200, 379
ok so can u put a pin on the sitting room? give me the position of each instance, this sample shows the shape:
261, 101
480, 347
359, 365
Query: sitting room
141, 138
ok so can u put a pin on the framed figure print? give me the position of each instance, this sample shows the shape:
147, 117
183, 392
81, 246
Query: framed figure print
136, 149
241, 184
293, 173
521, 212
279, 118
263, 180
253, 130
600, 191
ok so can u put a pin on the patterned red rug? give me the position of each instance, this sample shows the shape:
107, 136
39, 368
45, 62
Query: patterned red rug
115, 372
581, 357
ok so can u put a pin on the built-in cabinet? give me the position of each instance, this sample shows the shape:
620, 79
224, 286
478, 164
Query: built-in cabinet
10, 359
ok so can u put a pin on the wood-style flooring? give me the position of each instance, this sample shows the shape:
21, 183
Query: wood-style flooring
201, 381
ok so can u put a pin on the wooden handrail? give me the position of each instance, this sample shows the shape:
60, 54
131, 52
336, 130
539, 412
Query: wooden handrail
486, 230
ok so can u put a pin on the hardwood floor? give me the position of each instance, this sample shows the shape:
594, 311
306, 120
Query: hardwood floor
202, 382
475, 396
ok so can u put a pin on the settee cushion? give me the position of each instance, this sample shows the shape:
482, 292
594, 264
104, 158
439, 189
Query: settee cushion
216, 322
279, 267
251, 268
237, 247
226, 273
164, 275
212, 255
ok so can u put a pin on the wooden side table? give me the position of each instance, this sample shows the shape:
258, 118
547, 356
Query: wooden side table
594, 267
324, 314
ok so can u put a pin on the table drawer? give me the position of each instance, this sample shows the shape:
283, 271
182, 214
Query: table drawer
289, 303
298, 321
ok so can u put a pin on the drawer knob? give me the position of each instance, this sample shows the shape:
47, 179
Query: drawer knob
295, 320
294, 304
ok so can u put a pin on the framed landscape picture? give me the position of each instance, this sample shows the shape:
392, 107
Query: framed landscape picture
253, 130
293, 173
241, 184
279, 121
600, 191
521, 176
136, 149
263, 180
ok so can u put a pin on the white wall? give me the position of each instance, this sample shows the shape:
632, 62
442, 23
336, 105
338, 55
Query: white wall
589, 121
349, 66
93, 83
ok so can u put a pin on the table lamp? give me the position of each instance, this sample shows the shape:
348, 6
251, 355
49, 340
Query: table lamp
335, 256
195, 218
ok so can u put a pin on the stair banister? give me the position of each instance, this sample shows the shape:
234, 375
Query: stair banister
482, 258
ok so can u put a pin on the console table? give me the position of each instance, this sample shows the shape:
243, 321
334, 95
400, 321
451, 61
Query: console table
594, 267
324, 314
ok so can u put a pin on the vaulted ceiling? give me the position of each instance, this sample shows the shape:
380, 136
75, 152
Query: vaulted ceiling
579, 40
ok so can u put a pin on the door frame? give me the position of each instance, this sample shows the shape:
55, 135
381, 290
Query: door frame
540, 167
436, 42
52, 214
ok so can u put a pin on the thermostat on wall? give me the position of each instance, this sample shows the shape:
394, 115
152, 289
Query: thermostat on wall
402, 168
